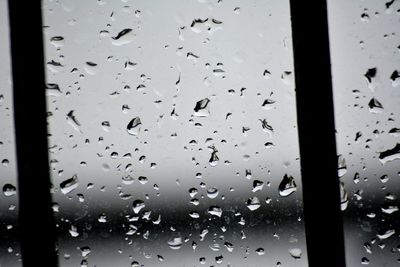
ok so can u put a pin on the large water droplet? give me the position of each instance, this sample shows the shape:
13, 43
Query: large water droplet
287, 186
175, 242
212, 192
215, 210
386, 234
57, 41
395, 78
375, 106
390, 154
123, 37
69, 185
342, 167
134, 126
138, 205
344, 198
257, 185
253, 203
214, 158
9, 190
295, 253
202, 109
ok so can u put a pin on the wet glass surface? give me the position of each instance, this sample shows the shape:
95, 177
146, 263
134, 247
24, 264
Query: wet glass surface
173, 133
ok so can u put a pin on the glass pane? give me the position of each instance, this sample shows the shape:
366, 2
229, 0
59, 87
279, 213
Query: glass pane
9, 245
173, 133
366, 63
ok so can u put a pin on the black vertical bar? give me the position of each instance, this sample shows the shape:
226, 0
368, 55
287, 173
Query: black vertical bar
36, 219
315, 115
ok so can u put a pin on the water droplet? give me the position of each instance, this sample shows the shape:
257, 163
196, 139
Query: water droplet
57, 41
295, 253
71, 119
85, 251
123, 37
389, 209
219, 259
386, 234
257, 185
175, 242
134, 126
215, 210
266, 127
9, 190
268, 104
253, 203
91, 68
287, 186
390, 154
344, 198
106, 126
73, 231
267, 74
212, 192
375, 106
395, 78
214, 158
202, 109
364, 261
69, 185
143, 179
369, 75
138, 205
127, 179
229, 246
342, 167
194, 214
260, 251
54, 66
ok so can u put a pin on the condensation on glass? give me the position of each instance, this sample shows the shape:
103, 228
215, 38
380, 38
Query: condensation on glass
173, 137
9, 245
365, 48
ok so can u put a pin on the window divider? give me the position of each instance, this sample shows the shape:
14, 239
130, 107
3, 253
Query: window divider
316, 129
37, 229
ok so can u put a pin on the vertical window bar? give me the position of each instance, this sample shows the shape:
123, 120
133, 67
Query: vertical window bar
36, 220
321, 195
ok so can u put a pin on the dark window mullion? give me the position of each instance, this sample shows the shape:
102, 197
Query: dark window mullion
36, 219
315, 113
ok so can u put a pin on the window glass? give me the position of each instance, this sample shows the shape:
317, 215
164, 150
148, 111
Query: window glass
365, 49
173, 137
